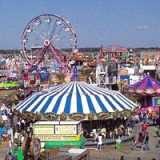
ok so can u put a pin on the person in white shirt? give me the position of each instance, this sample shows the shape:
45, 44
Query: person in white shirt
99, 142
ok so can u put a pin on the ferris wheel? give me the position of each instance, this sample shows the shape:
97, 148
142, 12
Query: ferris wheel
47, 33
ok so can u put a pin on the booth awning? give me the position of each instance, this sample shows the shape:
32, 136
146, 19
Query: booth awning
76, 97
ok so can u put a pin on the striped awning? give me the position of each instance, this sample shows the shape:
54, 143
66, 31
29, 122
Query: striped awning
76, 97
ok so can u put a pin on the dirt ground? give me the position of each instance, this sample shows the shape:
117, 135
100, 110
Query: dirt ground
110, 153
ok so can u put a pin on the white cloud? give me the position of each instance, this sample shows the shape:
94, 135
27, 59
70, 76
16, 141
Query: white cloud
142, 27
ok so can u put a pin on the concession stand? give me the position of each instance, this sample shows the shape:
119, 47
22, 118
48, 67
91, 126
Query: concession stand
58, 134
60, 140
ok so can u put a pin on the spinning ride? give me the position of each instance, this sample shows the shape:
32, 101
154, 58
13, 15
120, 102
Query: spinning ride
50, 34
145, 87
147, 92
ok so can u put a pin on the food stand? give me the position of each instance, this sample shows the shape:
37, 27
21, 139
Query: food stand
58, 134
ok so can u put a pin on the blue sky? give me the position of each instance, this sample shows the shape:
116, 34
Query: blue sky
129, 23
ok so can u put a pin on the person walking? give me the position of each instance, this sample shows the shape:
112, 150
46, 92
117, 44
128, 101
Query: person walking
99, 142
118, 143
146, 142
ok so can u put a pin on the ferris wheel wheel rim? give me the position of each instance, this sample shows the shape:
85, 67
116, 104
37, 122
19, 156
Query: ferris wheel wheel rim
26, 41
52, 15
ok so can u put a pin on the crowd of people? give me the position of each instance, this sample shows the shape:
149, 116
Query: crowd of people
15, 130
121, 131
135, 128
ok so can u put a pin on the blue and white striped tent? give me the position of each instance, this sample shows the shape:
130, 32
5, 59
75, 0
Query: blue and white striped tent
76, 97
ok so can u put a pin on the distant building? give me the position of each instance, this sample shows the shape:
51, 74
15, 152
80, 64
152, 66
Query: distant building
116, 52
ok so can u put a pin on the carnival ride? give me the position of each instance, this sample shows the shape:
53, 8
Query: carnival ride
147, 92
44, 41
147, 86
74, 101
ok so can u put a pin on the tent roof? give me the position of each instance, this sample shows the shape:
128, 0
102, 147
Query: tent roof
76, 97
